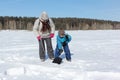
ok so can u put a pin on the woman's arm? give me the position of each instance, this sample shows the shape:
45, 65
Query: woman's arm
52, 25
37, 28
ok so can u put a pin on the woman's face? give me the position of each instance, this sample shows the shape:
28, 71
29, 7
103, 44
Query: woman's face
47, 20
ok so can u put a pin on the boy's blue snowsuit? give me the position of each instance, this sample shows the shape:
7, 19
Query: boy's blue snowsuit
60, 41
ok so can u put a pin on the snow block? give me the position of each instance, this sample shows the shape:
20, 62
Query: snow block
15, 71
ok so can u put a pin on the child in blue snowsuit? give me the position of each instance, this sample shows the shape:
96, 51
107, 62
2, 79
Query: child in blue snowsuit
62, 43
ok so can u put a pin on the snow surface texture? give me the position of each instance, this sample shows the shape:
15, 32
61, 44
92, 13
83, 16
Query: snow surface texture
95, 56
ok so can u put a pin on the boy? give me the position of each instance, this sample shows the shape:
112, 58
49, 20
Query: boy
62, 43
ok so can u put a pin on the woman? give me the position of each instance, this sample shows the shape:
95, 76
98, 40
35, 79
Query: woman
44, 30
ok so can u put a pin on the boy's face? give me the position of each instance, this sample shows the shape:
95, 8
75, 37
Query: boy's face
61, 32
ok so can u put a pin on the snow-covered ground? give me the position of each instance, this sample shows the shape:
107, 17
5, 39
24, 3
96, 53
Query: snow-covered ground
95, 56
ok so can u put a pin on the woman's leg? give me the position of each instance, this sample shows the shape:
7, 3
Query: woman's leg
42, 49
67, 52
49, 48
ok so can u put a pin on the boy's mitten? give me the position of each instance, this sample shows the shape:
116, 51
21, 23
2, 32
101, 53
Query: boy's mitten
64, 43
67, 38
60, 51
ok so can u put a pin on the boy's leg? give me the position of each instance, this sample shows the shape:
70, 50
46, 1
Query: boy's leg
49, 48
67, 52
57, 53
42, 49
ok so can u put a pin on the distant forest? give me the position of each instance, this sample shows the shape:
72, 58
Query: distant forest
26, 23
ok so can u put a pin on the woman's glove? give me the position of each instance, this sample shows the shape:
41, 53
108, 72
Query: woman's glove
39, 38
51, 35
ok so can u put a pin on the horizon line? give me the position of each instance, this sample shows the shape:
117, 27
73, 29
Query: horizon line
66, 17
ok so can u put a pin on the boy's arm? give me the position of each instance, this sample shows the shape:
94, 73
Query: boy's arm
69, 38
59, 43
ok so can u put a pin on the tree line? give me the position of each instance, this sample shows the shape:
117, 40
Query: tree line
26, 23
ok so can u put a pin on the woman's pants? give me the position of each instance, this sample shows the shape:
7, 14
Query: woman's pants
49, 48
